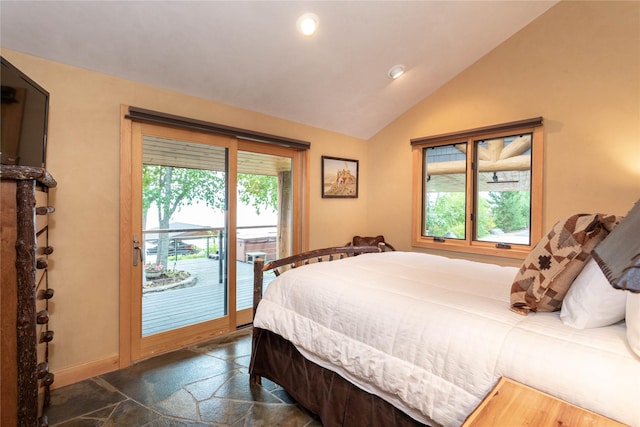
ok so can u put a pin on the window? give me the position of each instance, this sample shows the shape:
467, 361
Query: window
479, 190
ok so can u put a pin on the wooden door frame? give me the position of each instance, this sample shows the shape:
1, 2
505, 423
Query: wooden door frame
135, 345
300, 240
125, 248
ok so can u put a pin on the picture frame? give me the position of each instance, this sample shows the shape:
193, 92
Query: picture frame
340, 177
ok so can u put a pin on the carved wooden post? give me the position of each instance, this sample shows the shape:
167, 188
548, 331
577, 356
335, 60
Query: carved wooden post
26, 321
258, 264
257, 296
283, 246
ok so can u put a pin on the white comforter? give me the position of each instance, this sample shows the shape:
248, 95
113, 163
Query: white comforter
432, 335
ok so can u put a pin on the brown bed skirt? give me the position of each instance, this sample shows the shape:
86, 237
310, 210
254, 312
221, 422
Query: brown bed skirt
335, 400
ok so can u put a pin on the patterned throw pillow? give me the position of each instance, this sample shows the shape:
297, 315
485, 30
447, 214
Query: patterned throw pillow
552, 265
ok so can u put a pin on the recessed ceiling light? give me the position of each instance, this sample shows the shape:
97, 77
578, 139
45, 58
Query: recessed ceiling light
396, 71
308, 24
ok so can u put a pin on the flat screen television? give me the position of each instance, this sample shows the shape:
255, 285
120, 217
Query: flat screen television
25, 108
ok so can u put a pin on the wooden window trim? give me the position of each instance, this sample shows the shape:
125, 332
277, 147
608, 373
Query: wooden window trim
469, 245
462, 135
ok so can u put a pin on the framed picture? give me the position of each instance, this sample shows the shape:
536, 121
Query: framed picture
339, 177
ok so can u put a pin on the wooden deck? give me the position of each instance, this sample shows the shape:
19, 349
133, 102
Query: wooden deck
202, 301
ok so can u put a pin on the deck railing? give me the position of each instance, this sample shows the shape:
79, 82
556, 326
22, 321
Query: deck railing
203, 298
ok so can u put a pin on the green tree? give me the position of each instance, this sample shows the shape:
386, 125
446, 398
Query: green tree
486, 220
259, 191
446, 215
172, 188
510, 209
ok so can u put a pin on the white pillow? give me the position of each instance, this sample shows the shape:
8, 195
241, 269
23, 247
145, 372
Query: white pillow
633, 322
591, 302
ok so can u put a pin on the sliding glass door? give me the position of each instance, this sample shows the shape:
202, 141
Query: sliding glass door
201, 208
184, 233
182, 278
264, 218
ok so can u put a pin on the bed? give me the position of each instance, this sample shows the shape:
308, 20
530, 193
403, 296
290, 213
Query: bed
410, 339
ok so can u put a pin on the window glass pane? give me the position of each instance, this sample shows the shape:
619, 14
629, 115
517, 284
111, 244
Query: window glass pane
184, 197
265, 184
503, 199
444, 191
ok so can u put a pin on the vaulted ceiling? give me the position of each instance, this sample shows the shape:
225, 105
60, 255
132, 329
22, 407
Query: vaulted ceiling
248, 54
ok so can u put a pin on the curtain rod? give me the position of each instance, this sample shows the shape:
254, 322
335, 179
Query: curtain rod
149, 116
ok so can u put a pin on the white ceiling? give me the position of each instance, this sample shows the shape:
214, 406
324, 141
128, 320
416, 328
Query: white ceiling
249, 55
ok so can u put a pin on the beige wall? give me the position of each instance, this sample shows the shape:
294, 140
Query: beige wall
83, 156
578, 66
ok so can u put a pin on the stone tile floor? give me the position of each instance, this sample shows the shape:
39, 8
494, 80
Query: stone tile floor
203, 385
